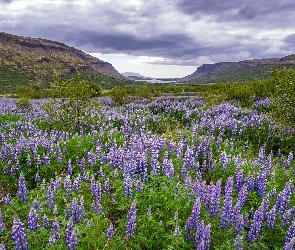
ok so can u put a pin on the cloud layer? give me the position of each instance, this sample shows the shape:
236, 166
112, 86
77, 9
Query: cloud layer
173, 32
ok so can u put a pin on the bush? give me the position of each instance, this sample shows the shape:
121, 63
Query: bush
23, 103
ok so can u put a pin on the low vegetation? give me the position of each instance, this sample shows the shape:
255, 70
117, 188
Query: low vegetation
155, 167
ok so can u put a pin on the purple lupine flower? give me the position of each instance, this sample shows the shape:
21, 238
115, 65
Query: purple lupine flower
225, 159
240, 222
238, 242
45, 221
239, 179
2, 225
261, 183
261, 155
95, 188
249, 180
22, 191
195, 215
177, 232
100, 173
256, 224
202, 238
107, 186
290, 234
2, 246
37, 176
71, 235
131, 220
215, 199
37, 205
77, 183
18, 234
167, 168
7, 199
290, 244
73, 240
271, 218
188, 226
127, 185
283, 199
78, 211
29, 161
155, 166
54, 233
68, 185
110, 232
33, 220
96, 207
227, 204
139, 186
287, 216
242, 195
50, 196
70, 169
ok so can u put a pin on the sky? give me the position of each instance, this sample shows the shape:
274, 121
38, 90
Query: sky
159, 38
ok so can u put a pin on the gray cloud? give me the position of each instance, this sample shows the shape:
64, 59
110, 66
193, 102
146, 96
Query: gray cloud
181, 32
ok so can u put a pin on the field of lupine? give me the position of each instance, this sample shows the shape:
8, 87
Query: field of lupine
166, 173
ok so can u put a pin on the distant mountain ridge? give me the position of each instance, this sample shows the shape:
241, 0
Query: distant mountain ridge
238, 71
40, 57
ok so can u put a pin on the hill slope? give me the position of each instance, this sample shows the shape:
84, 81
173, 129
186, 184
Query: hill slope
35, 60
247, 70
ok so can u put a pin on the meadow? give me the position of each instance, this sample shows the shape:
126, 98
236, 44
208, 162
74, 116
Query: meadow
169, 172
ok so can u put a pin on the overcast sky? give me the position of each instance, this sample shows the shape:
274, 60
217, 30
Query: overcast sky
159, 38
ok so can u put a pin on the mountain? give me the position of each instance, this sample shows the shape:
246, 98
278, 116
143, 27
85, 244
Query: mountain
135, 76
246, 70
36, 60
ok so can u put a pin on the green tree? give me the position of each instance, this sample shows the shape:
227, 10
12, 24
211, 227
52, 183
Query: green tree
72, 101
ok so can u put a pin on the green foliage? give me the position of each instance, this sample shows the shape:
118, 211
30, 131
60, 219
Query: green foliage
241, 92
23, 103
73, 99
283, 82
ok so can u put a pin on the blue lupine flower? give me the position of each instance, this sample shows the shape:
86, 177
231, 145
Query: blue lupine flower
287, 216
127, 185
261, 183
77, 183
256, 224
271, 218
96, 206
238, 242
71, 235
33, 220
68, 185
54, 233
239, 179
107, 187
242, 195
2, 225
18, 234
22, 191
283, 199
45, 221
226, 218
176, 232
70, 169
131, 220
290, 235
215, 199
110, 232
